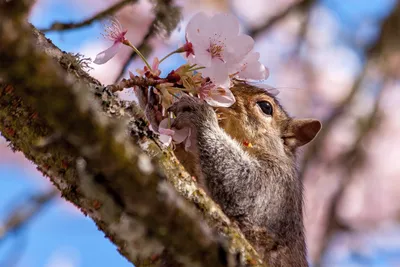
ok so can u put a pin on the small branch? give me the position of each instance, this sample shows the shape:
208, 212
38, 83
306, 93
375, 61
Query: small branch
350, 160
20, 216
314, 148
166, 17
303, 29
143, 47
302, 5
386, 43
59, 26
133, 81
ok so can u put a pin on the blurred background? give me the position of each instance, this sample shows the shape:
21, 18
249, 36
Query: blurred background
334, 60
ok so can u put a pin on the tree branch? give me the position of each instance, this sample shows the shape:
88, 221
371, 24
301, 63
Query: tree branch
302, 6
379, 54
26, 212
93, 162
166, 17
387, 42
143, 47
350, 159
59, 26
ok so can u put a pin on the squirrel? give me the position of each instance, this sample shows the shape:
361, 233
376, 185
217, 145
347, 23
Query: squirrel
245, 156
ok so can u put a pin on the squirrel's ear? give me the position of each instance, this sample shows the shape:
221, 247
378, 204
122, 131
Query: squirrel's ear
301, 131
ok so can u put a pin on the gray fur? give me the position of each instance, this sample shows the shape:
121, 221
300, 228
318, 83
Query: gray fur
263, 195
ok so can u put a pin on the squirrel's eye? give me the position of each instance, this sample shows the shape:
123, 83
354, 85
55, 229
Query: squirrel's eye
266, 107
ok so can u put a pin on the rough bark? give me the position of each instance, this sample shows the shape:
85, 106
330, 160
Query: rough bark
98, 152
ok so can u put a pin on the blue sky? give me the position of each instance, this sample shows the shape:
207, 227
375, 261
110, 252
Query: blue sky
57, 232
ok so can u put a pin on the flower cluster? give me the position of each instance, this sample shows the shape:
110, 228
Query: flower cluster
222, 51
216, 53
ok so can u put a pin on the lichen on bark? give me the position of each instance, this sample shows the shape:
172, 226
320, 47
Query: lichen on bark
50, 111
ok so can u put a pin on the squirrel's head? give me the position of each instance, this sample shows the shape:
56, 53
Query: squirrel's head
259, 122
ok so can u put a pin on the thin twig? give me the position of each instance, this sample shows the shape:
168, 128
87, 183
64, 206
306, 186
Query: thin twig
59, 26
166, 17
386, 37
25, 213
350, 160
314, 148
299, 6
14, 255
303, 29
133, 81
143, 47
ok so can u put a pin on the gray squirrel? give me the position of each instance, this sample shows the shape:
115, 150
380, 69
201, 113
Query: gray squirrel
245, 157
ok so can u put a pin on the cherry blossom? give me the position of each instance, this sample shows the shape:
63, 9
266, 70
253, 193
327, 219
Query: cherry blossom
114, 32
167, 134
188, 48
217, 45
251, 68
153, 72
216, 96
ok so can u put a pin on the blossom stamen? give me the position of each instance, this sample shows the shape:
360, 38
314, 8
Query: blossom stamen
216, 51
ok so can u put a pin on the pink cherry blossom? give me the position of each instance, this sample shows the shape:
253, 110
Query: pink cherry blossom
167, 134
154, 72
217, 45
188, 48
251, 68
114, 32
216, 96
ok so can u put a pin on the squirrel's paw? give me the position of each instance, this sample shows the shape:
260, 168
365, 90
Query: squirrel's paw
192, 111
149, 102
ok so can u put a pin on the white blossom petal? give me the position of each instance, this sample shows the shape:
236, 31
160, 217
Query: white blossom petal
166, 131
196, 25
217, 72
107, 54
165, 139
188, 142
238, 48
201, 57
221, 97
225, 25
180, 135
251, 68
165, 123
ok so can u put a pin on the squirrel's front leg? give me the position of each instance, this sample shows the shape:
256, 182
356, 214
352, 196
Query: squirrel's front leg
149, 103
231, 175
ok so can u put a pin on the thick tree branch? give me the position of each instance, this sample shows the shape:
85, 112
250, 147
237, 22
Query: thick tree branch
124, 172
59, 26
93, 163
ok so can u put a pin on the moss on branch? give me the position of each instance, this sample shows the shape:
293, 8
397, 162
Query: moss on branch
51, 114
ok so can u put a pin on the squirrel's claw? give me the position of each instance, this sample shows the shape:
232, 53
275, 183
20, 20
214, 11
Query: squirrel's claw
150, 103
192, 111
